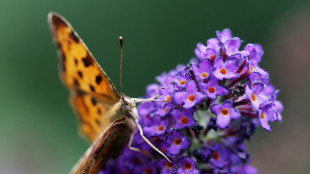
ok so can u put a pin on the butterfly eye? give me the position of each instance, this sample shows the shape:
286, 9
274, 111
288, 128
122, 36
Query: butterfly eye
128, 107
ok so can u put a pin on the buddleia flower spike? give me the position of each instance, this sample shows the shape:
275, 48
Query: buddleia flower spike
214, 105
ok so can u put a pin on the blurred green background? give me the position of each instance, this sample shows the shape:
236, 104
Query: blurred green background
38, 130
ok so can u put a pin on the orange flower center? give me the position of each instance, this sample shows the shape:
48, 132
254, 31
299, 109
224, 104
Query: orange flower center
254, 98
169, 165
177, 141
223, 71
182, 82
212, 90
204, 74
184, 120
225, 111
188, 166
191, 97
251, 68
160, 128
216, 155
263, 115
168, 98
166, 109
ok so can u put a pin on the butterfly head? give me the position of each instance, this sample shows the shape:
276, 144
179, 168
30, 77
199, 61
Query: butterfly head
127, 103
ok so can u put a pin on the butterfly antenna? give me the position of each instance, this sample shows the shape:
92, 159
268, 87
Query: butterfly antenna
121, 63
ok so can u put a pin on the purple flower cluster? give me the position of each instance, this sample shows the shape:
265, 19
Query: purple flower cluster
213, 106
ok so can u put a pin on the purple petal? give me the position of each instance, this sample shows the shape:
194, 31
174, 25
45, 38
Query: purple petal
223, 121
188, 104
191, 87
231, 64
227, 104
218, 63
183, 119
224, 35
258, 87
264, 124
272, 115
213, 43
232, 45
179, 97
199, 97
234, 113
173, 149
184, 167
216, 108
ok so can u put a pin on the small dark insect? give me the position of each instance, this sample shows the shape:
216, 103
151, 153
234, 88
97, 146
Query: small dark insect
237, 91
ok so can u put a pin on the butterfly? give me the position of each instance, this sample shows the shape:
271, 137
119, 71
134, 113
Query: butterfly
107, 119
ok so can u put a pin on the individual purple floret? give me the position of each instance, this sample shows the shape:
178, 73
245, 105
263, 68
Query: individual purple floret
187, 166
157, 127
166, 166
232, 46
224, 113
212, 88
210, 51
255, 96
266, 114
204, 113
190, 97
183, 118
176, 142
221, 156
203, 71
256, 52
225, 69
253, 67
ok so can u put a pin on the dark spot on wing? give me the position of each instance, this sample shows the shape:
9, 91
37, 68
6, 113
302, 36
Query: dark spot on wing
58, 21
63, 60
80, 74
76, 83
74, 37
80, 93
99, 111
92, 88
62, 56
87, 61
76, 61
98, 79
93, 101
98, 122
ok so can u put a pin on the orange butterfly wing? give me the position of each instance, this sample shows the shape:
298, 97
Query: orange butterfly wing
79, 69
95, 117
94, 95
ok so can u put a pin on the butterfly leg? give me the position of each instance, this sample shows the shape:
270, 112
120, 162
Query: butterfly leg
130, 143
149, 143
136, 149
